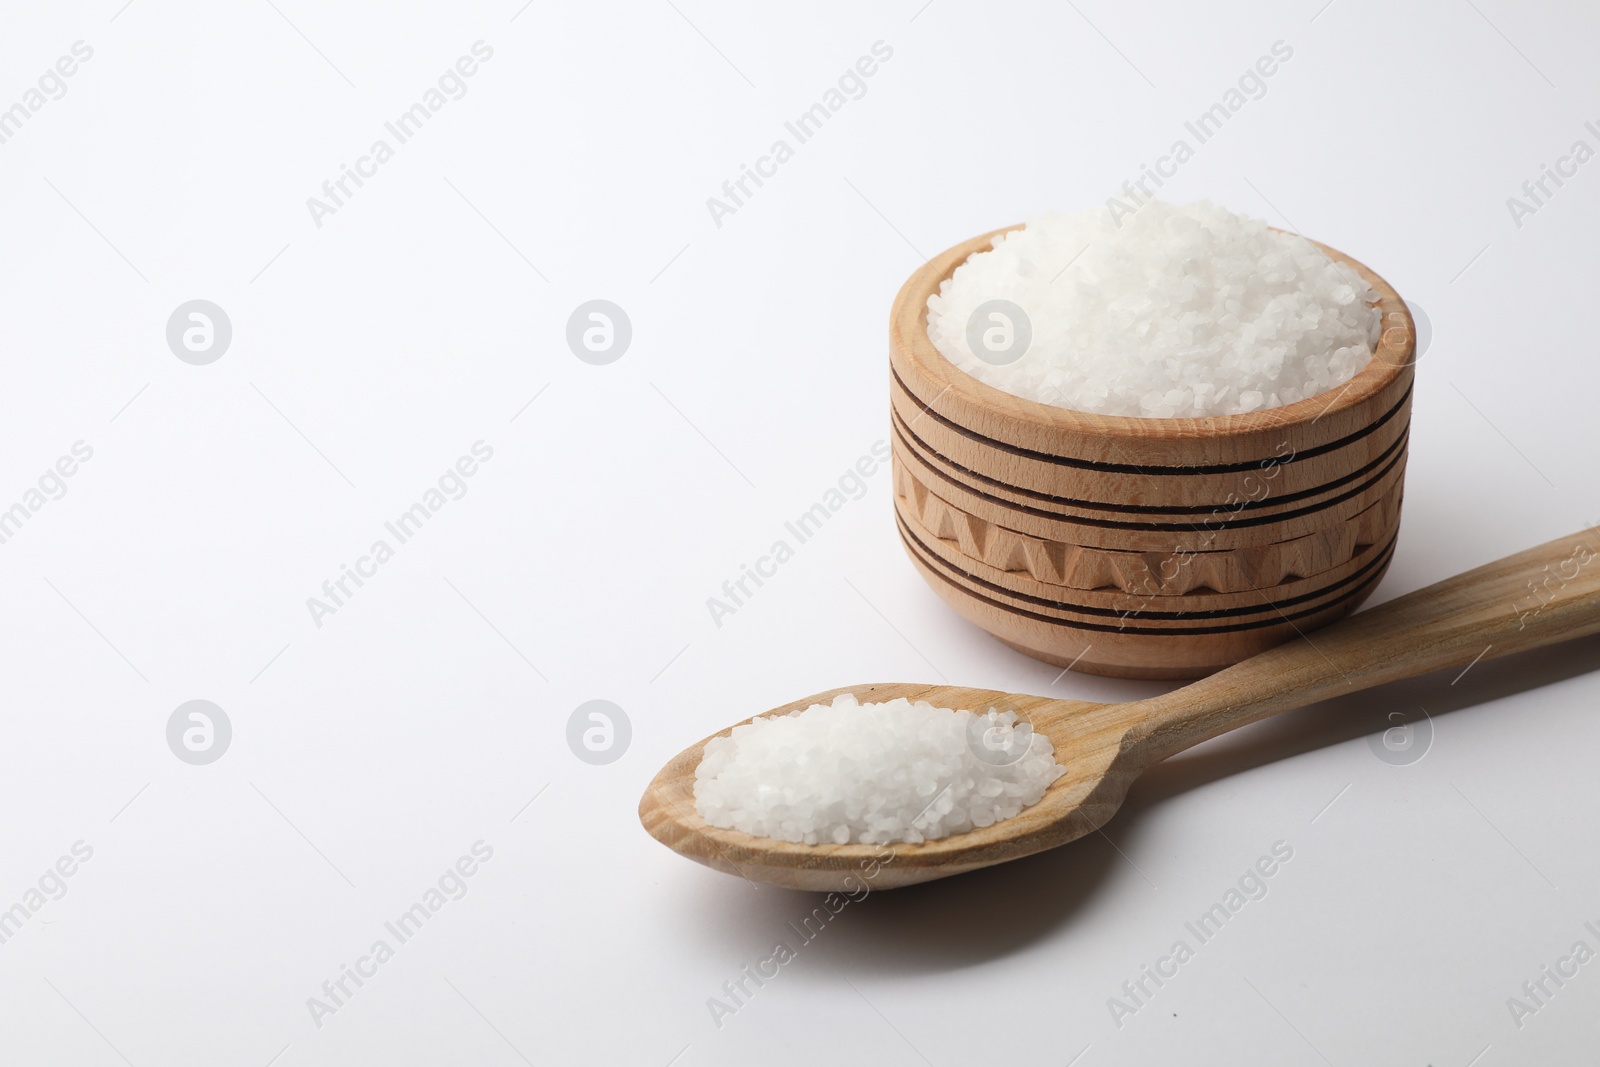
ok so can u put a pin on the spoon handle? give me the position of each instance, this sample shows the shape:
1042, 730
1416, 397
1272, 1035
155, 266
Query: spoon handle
1537, 597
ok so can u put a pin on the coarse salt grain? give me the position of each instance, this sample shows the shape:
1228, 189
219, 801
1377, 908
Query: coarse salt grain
1178, 312
872, 773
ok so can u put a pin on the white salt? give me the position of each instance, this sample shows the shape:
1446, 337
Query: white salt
872, 773
1180, 311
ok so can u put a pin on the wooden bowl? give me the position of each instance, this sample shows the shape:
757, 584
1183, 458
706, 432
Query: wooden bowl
1136, 547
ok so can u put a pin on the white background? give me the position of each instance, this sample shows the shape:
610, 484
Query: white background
370, 352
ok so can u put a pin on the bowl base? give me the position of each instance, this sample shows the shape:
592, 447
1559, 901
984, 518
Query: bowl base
1085, 665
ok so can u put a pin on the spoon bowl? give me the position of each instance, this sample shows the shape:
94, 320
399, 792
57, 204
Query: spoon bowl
1074, 804
1486, 612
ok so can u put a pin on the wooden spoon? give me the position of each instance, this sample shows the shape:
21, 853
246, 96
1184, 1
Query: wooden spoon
1538, 597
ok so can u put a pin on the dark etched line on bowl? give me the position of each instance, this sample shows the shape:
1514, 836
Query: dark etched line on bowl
1133, 468
905, 431
1211, 527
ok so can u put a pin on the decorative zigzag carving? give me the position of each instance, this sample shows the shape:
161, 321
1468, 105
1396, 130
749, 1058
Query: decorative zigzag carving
1222, 571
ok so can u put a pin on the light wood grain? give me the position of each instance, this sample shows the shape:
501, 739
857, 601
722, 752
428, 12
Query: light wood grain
1230, 523
1543, 595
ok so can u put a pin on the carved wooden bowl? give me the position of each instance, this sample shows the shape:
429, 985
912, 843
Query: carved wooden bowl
1145, 547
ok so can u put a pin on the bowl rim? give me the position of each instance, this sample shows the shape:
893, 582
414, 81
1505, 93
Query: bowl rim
1392, 356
